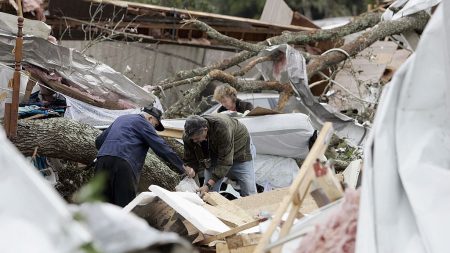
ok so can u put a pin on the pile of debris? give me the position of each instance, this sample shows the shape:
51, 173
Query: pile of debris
306, 209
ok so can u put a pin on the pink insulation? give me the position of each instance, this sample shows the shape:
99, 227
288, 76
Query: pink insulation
338, 233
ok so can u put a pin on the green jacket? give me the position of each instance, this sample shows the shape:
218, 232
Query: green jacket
228, 142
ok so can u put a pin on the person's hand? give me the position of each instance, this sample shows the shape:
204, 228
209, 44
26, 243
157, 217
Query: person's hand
202, 190
190, 172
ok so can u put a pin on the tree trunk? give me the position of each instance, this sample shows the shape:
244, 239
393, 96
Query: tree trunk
70, 140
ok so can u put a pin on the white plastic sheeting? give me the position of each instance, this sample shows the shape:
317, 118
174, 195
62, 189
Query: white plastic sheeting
6, 74
116, 231
33, 209
96, 116
405, 188
408, 7
284, 135
34, 218
275, 171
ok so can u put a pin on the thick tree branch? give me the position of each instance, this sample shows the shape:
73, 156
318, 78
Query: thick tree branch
362, 22
380, 31
187, 106
70, 140
212, 33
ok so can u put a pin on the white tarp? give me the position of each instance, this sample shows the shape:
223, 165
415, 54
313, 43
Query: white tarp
96, 116
6, 74
275, 171
408, 7
40, 218
405, 188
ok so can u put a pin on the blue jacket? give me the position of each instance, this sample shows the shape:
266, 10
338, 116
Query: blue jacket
129, 138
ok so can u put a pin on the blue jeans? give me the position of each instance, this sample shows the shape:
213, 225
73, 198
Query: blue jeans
243, 172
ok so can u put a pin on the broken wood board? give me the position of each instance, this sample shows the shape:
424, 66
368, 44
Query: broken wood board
223, 248
227, 217
189, 205
219, 201
270, 201
232, 231
172, 132
243, 240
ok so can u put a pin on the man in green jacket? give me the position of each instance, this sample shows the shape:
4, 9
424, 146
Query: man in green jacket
222, 146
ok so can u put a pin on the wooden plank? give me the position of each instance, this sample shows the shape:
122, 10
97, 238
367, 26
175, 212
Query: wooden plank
172, 132
239, 241
246, 249
231, 232
222, 247
300, 184
330, 185
230, 219
219, 201
270, 201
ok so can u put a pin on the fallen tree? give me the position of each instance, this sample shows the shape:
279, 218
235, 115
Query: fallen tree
201, 77
70, 140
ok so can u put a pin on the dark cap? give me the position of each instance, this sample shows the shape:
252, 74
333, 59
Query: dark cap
155, 112
193, 125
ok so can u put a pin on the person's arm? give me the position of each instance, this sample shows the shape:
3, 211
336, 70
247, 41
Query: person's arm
101, 138
190, 159
160, 147
225, 152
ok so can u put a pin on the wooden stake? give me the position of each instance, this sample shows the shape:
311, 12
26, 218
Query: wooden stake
12, 115
298, 189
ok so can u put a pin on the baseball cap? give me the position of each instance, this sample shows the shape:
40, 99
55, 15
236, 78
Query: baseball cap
155, 112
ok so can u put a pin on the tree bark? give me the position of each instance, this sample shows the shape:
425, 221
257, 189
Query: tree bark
362, 22
187, 106
70, 140
383, 29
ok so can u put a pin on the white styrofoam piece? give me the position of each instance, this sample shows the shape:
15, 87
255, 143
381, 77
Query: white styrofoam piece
196, 214
351, 173
142, 199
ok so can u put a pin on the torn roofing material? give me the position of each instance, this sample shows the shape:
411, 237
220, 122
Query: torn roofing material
84, 73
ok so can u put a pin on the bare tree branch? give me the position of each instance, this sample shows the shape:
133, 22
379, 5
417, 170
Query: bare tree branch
380, 31
362, 22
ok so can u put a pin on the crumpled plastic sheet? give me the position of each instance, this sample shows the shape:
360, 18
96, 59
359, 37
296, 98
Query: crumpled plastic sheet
97, 116
292, 69
116, 231
408, 7
84, 73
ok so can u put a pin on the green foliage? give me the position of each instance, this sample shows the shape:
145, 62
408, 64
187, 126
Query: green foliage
89, 248
92, 191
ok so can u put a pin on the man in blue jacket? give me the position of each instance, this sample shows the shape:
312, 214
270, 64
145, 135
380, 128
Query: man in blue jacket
122, 150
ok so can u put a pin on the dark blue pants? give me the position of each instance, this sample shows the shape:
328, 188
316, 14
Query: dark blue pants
121, 186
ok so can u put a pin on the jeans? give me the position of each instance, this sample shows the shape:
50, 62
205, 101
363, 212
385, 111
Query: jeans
243, 172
